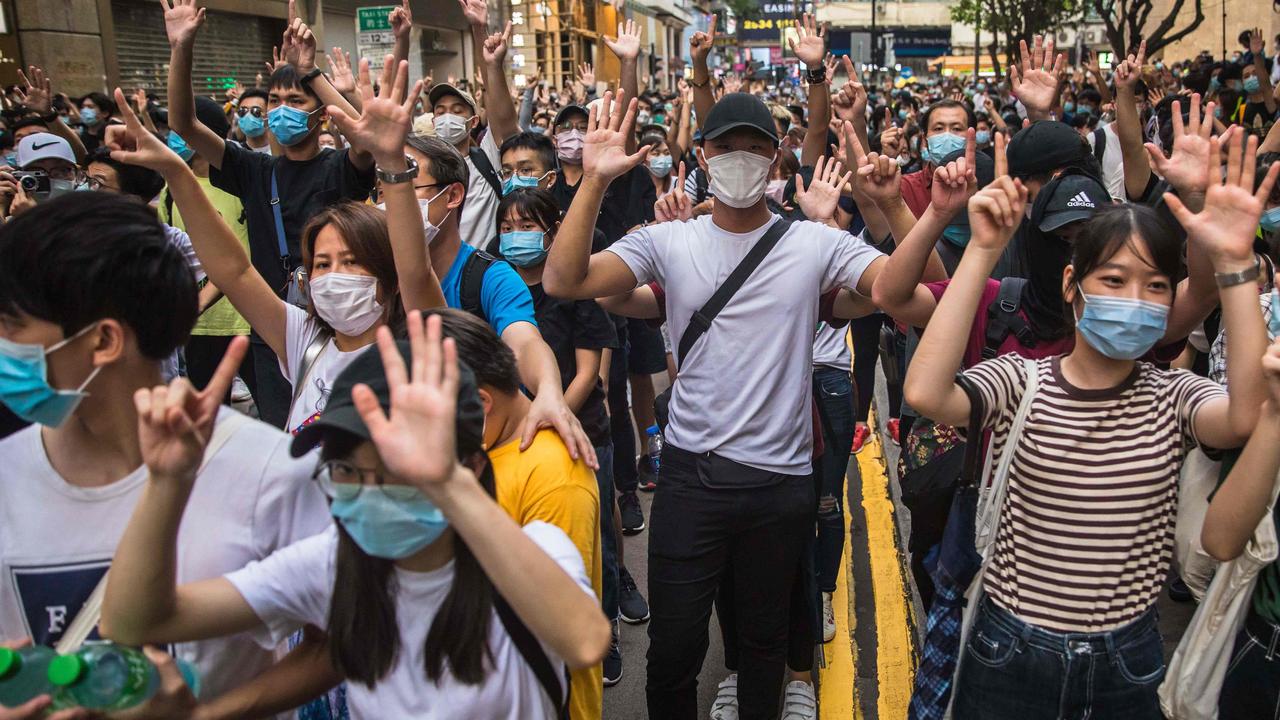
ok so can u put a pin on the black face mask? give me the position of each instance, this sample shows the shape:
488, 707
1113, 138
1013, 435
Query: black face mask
1045, 255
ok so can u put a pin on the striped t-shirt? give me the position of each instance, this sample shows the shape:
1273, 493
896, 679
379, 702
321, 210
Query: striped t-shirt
1086, 531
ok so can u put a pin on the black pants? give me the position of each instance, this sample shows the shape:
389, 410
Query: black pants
273, 392
625, 478
866, 351
696, 533
204, 352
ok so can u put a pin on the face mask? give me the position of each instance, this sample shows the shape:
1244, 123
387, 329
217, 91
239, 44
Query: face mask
569, 146
982, 87
903, 160
538, 130
902, 115
774, 190
290, 125
59, 187
390, 521
643, 118
982, 137
179, 146
520, 181
24, 382
797, 152
429, 228
1273, 326
88, 116
252, 126
1214, 84
451, 128
957, 235
1122, 328
1068, 107
11, 160
941, 145
522, 248
1252, 85
738, 178
349, 303
1270, 220
660, 166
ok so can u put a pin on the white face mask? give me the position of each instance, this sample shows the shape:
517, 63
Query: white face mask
429, 228
451, 128
349, 303
739, 178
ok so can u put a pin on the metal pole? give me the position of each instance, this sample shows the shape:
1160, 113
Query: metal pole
876, 56
1224, 29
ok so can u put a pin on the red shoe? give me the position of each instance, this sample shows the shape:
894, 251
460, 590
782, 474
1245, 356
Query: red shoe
893, 430
860, 434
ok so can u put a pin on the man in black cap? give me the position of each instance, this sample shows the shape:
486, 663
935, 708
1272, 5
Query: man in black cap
736, 486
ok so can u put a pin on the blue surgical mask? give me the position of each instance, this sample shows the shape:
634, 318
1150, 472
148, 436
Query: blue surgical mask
179, 146
797, 152
390, 521
1068, 107
520, 181
1273, 326
24, 382
982, 137
538, 130
1252, 84
902, 114
290, 125
942, 145
522, 248
1270, 220
11, 159
660, 165
1122, 328
88, 116
252, 125
1214, 84
957, 235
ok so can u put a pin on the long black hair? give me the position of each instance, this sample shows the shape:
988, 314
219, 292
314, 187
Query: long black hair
364, 633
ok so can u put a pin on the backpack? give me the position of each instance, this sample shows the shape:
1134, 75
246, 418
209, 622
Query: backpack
485, 168
472, 282
1003, 318
1099, 144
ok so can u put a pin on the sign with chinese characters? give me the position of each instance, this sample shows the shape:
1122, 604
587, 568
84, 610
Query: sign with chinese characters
374, 38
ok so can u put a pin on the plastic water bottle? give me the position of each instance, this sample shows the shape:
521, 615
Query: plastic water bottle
106, 676
24, 674
655, 447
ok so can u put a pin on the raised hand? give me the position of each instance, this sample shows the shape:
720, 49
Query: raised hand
276, 62
701, 42
875, 175
1126, 73
1256, 41
401, 20
416, 440
818, 202
675, 205
38, 93
181, 21
957, 181
1226, 227
604, 149
386, 117
1039, 79
495, 46
995, 213
299, 47
176, 421
1155, 95
1187, 169
892, 142
808, 44
831, 63
344, 81
476, 12
732, 83
627, 45
133, 144
139, 99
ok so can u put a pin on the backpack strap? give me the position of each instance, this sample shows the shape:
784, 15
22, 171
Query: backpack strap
533, 653
472, 282
1099, 144
1003, 318
700, 181
481, 161
309, 357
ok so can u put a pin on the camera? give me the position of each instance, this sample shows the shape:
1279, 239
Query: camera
32, 181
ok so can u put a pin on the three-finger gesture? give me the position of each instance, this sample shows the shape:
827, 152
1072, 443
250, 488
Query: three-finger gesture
385, 117
1039, 78
604, 149
675, 205
133, 144
819, 200
808, 44
627, 45
181, 21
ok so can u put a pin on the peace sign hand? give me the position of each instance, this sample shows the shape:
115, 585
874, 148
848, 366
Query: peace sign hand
133, 144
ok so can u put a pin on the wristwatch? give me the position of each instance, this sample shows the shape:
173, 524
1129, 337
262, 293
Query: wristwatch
1226, 280
305, 80
693, 83
409, 175
815, 75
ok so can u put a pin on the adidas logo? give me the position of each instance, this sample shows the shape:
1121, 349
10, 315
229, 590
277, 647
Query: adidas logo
1080, 200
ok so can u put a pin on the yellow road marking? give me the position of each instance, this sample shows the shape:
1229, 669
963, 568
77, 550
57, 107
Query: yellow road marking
839, 692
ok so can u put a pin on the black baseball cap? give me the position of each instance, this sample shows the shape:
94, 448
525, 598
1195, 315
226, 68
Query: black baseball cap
211, 114
1074, 197
568, 110
1044, 147
737, 110
366, 368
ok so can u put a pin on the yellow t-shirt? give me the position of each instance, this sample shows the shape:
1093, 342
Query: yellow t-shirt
221, 319
545, 483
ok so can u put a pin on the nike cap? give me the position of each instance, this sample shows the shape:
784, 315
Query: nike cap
42, 146
1076, 197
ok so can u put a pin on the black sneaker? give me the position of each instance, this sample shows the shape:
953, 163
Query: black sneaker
1179, 592
648, 482
613, 661
632, 515
631, 604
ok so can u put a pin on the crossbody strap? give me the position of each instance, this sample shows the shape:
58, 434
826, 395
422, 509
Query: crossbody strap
701, 320
485, 167
309, 357
533, 653
281, 242
91, 612
991, 497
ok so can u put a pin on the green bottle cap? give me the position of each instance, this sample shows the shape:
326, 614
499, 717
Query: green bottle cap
10, 662
66, 670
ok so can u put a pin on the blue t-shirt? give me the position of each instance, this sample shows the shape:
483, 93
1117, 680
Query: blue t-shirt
504, 298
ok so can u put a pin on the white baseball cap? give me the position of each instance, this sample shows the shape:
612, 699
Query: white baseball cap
41, 146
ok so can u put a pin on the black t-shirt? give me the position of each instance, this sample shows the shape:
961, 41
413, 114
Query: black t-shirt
569, 325
627, 202
306, 188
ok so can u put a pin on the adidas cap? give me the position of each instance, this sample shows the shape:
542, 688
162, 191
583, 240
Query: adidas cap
1074, 198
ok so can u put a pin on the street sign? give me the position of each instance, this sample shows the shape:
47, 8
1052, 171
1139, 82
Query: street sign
374, 38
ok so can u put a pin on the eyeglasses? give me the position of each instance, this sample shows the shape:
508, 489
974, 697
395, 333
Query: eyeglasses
255, 111
340, 480
579, 125
95, 185
505, 174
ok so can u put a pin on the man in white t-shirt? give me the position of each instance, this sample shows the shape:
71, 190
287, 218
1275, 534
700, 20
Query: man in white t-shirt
737, 489
93, 298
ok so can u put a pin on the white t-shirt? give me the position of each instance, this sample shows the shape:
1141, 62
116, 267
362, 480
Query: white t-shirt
300, 330
480, 212
830, 349
57, 539
294, 587
1112, 162
744, 390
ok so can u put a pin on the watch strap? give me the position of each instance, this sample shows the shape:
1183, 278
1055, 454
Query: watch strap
305, 80
1226, 280
408, 175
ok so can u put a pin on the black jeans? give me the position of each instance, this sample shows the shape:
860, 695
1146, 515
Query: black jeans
834, 391
696, 533
1251, 689
625, 478
203, 354
273, 392
866, 352
1014, 671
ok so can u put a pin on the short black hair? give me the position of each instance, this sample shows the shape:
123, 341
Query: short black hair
104, 103
534, 204
444, 163
286, 77
84, 257
142, 183
256, 92
481, 349
942, 104
1089, 95
541, 145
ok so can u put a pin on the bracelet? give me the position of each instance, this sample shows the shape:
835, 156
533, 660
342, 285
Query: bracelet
815, 76
1226, 280
693, 83
305, 80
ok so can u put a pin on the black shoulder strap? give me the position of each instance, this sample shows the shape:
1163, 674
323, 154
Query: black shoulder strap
472, 282
701, 320
168, 207
1099, 144
973, 434
481, 161
533, 654
1003, 318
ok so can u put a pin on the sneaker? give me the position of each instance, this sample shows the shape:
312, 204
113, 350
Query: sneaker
860, 435
828, 619
239, 391
725, 706
799, 702
613, 661
648, 482
632, 515
893, 430
1179, 592
631, 604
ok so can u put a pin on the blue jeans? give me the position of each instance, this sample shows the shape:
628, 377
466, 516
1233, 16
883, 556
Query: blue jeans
1251, 689
608, 541
1017, 671
834, 390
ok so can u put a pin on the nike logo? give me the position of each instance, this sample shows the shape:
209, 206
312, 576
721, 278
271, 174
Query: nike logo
41, 147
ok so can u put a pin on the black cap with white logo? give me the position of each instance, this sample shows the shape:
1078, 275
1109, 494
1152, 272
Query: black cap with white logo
1075, 197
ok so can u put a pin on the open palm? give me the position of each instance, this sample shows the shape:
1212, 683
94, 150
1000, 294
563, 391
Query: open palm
627, 45
181, 20
385, 117
1226, 227
808, 44
1037, 82
819, 200
1188, 168
604, 149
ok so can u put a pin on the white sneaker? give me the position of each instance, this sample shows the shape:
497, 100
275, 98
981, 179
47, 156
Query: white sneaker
725, 706
799, 702
828, 618
239, 391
